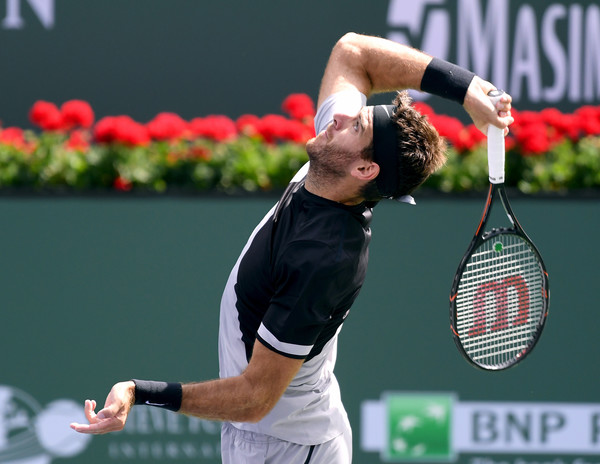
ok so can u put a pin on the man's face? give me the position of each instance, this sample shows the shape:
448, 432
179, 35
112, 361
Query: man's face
345, 137
350, 133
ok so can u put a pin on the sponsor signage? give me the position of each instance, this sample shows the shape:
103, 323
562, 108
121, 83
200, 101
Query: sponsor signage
13, 13
406, 427
157, 434
32, 434
540, 52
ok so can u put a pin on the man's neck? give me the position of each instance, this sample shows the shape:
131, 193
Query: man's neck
339, 191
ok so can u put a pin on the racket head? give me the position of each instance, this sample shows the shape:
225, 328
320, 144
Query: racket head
499, 299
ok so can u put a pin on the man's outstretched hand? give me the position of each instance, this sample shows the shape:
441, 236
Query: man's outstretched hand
113, 416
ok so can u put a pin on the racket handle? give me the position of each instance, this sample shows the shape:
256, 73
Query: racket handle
495, 143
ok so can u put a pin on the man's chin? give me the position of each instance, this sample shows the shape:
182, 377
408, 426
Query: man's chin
311, 145
314, 145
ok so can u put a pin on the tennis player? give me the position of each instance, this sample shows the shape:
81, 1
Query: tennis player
302, 268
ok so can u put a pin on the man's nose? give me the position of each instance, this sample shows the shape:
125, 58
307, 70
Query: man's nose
339, 120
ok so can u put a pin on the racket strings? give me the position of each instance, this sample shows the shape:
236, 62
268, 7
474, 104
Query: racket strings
500, 300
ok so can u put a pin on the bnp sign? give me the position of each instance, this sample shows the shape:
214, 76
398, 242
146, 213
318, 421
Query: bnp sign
418, 426
415, 427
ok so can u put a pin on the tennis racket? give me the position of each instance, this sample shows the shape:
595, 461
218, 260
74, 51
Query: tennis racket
500, 294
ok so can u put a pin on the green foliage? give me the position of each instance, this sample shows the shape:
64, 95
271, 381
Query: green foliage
45, 161
567, 167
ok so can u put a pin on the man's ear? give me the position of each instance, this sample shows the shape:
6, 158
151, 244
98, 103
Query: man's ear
365, 170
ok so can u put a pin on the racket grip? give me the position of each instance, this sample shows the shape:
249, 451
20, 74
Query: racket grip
495, 145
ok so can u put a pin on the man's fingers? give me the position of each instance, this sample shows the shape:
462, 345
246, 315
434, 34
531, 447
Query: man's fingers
81, 428
90, 414
99, 427
103, 422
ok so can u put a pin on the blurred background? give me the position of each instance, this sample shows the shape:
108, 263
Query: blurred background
98, 287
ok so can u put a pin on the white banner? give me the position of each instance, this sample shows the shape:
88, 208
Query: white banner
401, 427
533, 428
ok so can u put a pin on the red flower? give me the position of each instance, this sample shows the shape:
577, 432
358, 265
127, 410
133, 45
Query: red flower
532, 133
533, 139
467, 138
450, 128
525, 118
589, 117
423, 108
77, 141
122, 184
121, 129
271, 127
564, 125
105, 129
167, 126
299, 106
476, 135
77, 113
274, 128
46, 115
12, 136
219, 128
248, 124
298, 132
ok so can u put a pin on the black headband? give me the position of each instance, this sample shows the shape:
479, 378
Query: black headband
384, 149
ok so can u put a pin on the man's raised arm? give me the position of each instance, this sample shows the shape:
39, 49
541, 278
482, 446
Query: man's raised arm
373, 65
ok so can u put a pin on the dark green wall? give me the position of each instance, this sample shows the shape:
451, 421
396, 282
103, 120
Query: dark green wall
95, 290
141, 57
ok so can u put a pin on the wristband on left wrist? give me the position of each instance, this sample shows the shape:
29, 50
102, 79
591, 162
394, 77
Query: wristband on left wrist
166, 395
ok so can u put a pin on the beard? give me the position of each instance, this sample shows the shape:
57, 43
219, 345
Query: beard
327, 162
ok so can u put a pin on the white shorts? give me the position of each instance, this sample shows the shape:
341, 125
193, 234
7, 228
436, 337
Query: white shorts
243, 447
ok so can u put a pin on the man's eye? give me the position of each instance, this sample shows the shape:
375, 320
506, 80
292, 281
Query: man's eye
356, 126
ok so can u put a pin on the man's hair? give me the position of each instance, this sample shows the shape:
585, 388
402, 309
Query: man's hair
420, 149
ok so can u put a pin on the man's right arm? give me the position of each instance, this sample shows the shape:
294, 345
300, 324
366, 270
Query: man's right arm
373, 65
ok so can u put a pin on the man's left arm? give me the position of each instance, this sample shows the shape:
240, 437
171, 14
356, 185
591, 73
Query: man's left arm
247, 397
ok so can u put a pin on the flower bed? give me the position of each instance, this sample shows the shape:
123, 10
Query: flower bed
547, 151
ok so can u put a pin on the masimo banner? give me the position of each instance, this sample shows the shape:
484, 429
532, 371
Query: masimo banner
437, 426
540, 52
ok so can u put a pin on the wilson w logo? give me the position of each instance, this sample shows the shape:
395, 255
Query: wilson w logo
499, 293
